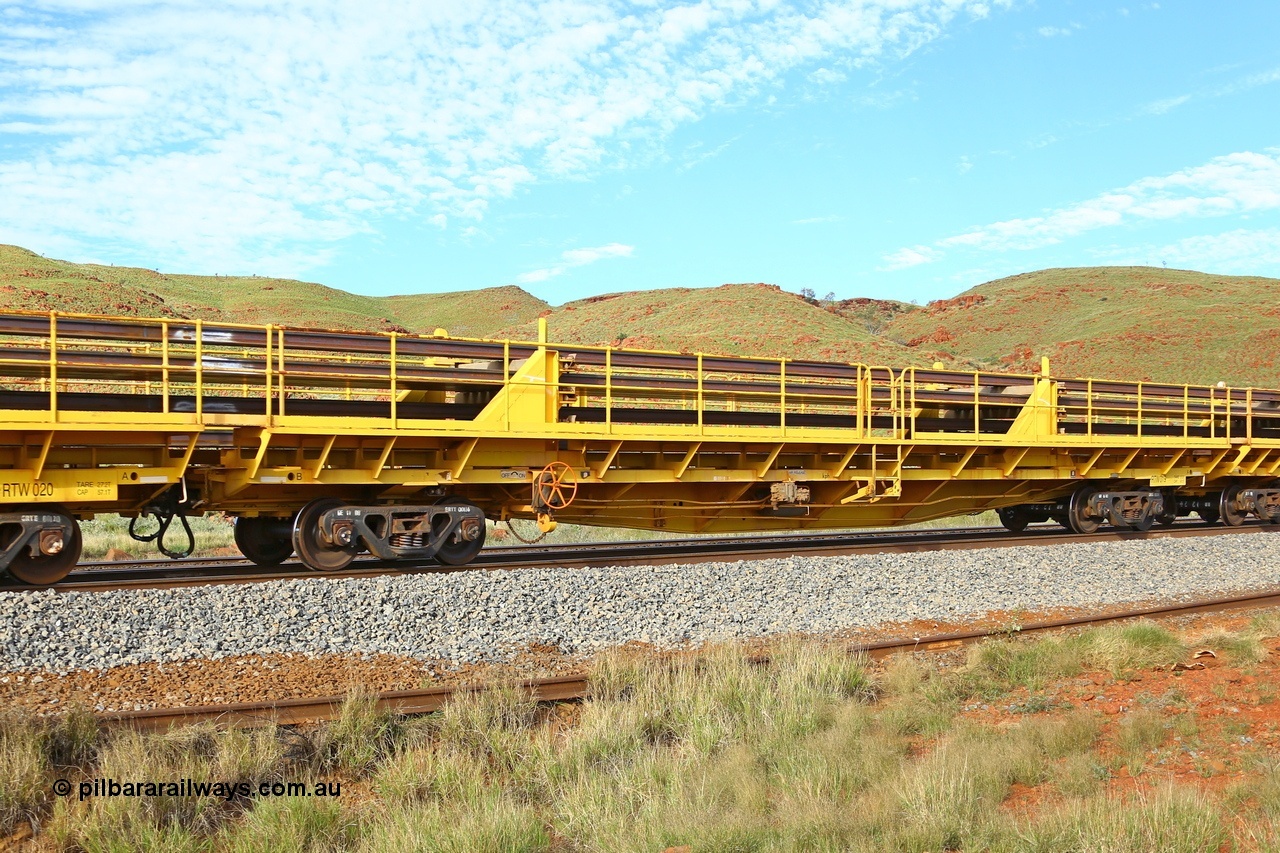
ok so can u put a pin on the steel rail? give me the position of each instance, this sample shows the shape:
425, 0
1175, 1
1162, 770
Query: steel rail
577, 686
700, 550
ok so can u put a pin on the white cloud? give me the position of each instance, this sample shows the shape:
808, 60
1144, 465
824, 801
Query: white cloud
1242, 183
1052, 32
827, 77
1242, 250
1243, 84
576, 258
1162, 106
910, 257
235, 133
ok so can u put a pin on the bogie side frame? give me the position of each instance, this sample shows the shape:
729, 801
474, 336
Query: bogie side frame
156, 416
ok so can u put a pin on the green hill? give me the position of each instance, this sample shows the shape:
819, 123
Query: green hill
1137, 323
735, 319
30, 281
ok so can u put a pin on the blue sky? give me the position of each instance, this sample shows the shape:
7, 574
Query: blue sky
902, 149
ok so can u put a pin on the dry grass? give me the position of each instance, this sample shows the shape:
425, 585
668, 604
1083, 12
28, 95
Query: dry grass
213, 531
809, 751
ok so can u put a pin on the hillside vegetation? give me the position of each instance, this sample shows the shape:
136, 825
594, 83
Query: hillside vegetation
29, 281
1136, 323
737, 319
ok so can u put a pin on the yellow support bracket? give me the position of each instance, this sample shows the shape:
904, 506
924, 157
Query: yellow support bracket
679, 470
38, 468
324, 456
387, 446
1266, 452
264, 439
1177, 457
1093, 460
462, 455
1128, 460
769, 460
1208, 469
603, 468
964, 460
1012, 463
845, 460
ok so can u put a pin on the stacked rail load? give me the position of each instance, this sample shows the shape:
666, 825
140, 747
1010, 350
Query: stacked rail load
328, 444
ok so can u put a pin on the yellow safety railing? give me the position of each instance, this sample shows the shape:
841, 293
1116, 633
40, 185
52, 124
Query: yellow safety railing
273, 372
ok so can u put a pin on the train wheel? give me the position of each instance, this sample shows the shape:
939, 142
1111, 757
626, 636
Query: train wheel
49, 568
313, 551
265, 541
1231, 516
1145, 524
1013, 518
459, 551
1076, 518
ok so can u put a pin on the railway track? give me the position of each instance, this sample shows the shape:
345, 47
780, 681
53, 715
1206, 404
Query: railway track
159, 574
576, 686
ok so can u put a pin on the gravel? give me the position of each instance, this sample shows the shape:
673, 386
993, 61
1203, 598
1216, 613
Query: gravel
486, 615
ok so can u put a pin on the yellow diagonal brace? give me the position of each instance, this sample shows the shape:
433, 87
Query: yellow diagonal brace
324, 455
44, 455
1123, 466
1010, 466
845, 460
264, 439
688, 458
768, 462
1174, 461
1093, 460
603, 468
1208, 469
387, 447
964, 460
1262, 457
463, 451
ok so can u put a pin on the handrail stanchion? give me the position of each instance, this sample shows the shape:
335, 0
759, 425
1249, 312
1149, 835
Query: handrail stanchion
1186, 411
394, 413
200, 369
1248, 414
701, 430
1228, 400
608, 390
267, 375
506, 381
977, 407
1139, 421
1088, 408
1213, 414
53, 366
164, 365
782, 395
280, 387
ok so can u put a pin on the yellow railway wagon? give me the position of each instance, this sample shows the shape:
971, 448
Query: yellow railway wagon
329, 443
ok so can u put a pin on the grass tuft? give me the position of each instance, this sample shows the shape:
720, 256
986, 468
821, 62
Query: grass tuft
360, 737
